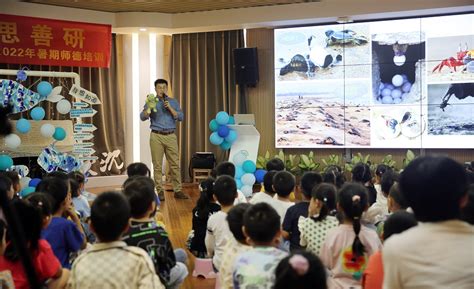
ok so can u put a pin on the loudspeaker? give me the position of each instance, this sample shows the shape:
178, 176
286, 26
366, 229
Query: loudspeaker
246, 66
201, 160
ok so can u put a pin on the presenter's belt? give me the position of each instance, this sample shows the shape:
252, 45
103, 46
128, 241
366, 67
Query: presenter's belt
162, 132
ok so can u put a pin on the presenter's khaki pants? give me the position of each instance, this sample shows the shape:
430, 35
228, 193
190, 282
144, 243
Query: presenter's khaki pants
168, 145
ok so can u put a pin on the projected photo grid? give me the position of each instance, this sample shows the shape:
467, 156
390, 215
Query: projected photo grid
385, 84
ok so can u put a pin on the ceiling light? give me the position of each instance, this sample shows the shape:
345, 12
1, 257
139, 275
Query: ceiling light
142, 29
344, 20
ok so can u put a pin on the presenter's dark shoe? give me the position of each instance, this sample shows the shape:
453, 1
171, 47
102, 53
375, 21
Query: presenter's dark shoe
180, 195
161, 195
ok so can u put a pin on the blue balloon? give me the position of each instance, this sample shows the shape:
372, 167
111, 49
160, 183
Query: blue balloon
59, 134
225, 145
34, 182
222, 117
239, 172
37, 113
239, 184
231, 137
213, 125
259, 175
26, 191
231, 120
249, 166
215, 139
5, 162
21, 75
44, 88
23, 125
223, 131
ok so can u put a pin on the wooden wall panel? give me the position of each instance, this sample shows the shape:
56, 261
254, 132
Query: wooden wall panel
261, 103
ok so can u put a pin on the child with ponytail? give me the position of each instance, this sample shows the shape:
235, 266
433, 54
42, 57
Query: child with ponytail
320, 219
347, 247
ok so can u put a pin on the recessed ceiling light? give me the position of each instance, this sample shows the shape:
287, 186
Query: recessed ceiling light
142, 29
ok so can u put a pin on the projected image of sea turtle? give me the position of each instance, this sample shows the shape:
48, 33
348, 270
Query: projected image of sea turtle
299, 64
343, 37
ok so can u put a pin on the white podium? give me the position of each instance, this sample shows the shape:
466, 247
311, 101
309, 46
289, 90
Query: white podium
248, 139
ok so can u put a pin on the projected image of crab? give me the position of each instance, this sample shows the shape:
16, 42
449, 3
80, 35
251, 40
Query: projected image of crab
397, 67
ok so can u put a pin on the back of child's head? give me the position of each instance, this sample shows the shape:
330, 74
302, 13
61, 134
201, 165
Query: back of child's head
225, 190
261, 223
326, 194
268, 182
301, 270
7, 182
57, 188
14, 178
275, 164
206, 188
396, 196
235, 219
29, 218
42, 202
353, 201
75, 188
110, 213
387, 180
334, 175
467, 213
308, 181
398, 222
381, 169
361, 173
138, 169
58, 174
283, 183
78, 177
434, 187
225, 168
140, 193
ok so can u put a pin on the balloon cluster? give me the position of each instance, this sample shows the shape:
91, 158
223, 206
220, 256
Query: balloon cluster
222, 135
28, 186
246, 173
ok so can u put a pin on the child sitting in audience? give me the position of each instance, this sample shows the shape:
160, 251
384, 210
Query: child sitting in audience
81, 179
138, 169
146, 234
110, 263
225, 191
266, 196
334, 175
283, 184
321, 218
228, 169
379, 171
438, 252
255, 268
275, 164
290, 223
206, 206
15, 182
395, 202
379, 210
395, 224
79, 201
301, 270
361, 174
235, 246
33, 216
64, 236
346, 250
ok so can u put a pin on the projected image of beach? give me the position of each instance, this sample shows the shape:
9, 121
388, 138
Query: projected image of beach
451, 109
315, 114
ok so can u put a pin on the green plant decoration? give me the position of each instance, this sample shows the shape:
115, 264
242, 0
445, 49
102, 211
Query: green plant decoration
408, 158
263, 160
358, 158
331, 160
388, 161
307, 163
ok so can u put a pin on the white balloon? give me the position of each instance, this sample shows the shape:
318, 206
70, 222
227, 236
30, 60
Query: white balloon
247, 190
24, 182
239, 159
248, 179
63, 106
47, 130
12, 141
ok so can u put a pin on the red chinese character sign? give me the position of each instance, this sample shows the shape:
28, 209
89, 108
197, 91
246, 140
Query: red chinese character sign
31, 40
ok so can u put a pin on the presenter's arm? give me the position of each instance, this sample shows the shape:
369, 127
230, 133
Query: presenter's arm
143, 114
175, 110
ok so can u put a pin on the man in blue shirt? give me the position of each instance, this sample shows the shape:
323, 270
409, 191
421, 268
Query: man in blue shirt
163, 138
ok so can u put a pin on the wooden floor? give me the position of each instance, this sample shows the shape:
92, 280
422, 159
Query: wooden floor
178, 217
